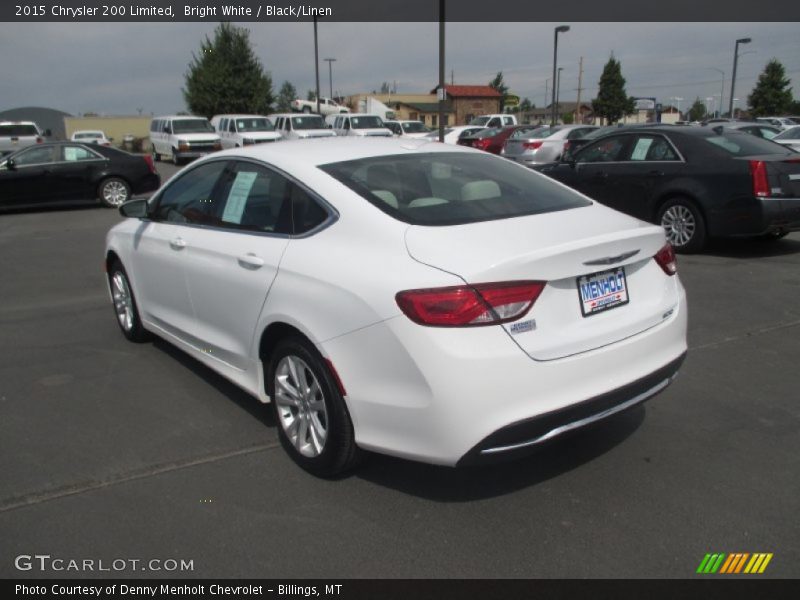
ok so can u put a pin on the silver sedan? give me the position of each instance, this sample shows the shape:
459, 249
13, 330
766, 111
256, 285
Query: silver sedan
543, 145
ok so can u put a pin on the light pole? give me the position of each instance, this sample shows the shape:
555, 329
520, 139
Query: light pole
316, 60
733, 114
733, 76
559, 29
546, 90
721, 88
678, 100
330, 62
558, 87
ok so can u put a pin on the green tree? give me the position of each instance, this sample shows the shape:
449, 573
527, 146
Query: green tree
311, 95
772, 94
286, 95
612, 102
525, 105
227, 77
697, 111
498, 84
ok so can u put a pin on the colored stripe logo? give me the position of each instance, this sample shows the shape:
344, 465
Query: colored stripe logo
734, 563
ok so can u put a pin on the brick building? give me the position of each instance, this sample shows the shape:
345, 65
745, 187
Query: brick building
469, 101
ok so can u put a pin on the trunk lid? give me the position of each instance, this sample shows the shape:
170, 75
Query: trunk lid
556, 247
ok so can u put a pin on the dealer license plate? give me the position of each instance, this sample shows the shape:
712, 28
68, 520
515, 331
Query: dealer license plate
602, 291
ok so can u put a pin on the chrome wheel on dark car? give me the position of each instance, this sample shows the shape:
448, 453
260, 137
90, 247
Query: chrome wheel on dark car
683, 225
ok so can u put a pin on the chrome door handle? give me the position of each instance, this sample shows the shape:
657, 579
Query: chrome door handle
178, 243
250, 260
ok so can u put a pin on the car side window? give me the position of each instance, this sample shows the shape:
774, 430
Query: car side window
76, 153
190, 199
255, 198
306, 212
603, 150
652, 148
35, 156
232, 126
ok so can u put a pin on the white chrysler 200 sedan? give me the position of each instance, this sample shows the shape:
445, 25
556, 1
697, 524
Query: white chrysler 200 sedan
401, 296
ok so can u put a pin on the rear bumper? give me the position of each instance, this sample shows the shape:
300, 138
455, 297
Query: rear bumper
148, 183
436, 394
756, 216
522, 438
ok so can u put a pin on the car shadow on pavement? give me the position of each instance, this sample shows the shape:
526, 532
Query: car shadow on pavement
752, 247
237, 395
444, 484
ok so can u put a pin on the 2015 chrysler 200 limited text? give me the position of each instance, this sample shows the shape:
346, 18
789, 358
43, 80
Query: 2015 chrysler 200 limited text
405, 297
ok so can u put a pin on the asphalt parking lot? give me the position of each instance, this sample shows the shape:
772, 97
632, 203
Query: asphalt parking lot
113, 450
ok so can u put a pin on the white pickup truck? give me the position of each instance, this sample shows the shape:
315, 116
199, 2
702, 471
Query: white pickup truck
326, 107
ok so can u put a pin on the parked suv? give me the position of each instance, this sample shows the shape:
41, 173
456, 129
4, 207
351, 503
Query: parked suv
236, 131
182, 137
15, 135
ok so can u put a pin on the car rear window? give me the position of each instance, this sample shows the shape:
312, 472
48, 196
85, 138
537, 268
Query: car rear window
744, 144
312, 122
452, 188
18, 130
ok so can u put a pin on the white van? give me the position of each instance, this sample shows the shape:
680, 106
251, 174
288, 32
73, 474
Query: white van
293, 126
182, 137
236, 131
358, 124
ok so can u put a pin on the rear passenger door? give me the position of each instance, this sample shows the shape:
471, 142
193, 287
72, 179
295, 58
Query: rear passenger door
231, 263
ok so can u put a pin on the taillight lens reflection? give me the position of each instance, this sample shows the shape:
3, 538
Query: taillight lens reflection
667, 260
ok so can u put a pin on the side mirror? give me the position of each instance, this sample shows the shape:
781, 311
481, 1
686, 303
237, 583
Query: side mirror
134, 209
11, 164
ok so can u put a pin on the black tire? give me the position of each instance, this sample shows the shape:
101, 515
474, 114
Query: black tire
175, 159
684, 225
338, 453
113, 192
130, 323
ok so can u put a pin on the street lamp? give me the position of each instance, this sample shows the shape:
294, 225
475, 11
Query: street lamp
559, 29
735, 61
721, 87
558, 86
677, 99
330, 62
316, 60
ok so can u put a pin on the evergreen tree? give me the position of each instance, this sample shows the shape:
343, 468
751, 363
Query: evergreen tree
227, 77
772, 94
286, 95
697, 111
525, 105
612, 102
498, 84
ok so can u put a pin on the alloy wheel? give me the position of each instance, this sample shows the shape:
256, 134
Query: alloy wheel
679, 225
301, 406
123, 302
115, 193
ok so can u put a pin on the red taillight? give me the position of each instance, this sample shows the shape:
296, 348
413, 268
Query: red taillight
149, 160
470, 306
532, 145
39, 140
482, 143
667, 260
758, 172
566, 145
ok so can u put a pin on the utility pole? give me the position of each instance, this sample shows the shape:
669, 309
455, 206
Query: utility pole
546, 91
316, 60
578, 116
442, 90
452, 77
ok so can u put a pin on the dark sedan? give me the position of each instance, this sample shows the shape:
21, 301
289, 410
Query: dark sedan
696, 182
492, 140
49, 174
